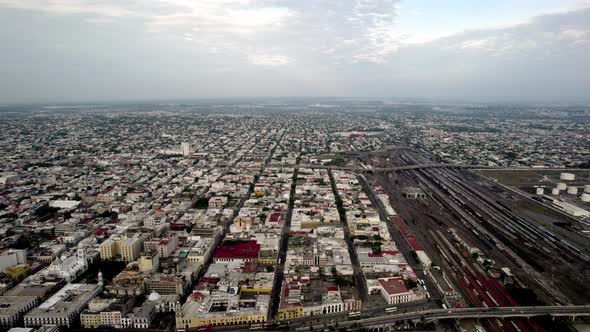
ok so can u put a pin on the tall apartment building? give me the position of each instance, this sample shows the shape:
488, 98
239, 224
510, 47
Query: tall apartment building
128, 248
163, 246
186, 149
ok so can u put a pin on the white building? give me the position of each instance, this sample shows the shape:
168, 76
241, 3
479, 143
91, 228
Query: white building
68, 268
186, 148
394, 290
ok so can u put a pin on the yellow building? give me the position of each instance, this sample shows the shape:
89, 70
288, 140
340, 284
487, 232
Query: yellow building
226, 320
196, 310
18, 272
150, 262
256, 289
310, 224
108, 249
89, 320
267, 260
128, 248
290, 312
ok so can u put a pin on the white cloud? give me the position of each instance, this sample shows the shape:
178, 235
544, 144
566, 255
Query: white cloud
271, 60
546, 35
207, 14
483, 44
278, 32
354, 30
576, 36
276, 47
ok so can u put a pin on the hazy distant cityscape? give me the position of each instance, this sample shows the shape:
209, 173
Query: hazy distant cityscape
295, 214
294, 165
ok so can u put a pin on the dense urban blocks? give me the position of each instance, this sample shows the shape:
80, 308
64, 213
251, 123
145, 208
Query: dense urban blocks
258, 216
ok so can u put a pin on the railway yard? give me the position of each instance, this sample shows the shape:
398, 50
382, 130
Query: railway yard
495, 248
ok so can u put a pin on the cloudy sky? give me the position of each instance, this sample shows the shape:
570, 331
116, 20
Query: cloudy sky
93, 50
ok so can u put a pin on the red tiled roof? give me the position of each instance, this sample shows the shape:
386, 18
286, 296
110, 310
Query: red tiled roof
393, 285
249, 267
101, 231
248, 249
299, 232
86, 220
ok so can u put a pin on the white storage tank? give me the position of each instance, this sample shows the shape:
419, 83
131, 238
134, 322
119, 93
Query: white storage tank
585, 198
561, 186
555, 191
540, 191
567, 176
587, 188
572, 190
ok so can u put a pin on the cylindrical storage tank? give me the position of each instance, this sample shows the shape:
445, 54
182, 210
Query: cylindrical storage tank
555, 191
561, 186
585, 197
572, 190
587, 188
567, 176
540, 191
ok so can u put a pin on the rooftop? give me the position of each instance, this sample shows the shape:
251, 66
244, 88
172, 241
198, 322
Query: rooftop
393, 286
242, 249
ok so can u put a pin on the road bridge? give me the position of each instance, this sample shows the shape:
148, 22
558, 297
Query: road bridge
358, 169
385, 322
381, 170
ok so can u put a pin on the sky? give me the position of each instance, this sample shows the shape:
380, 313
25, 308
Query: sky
111, 50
